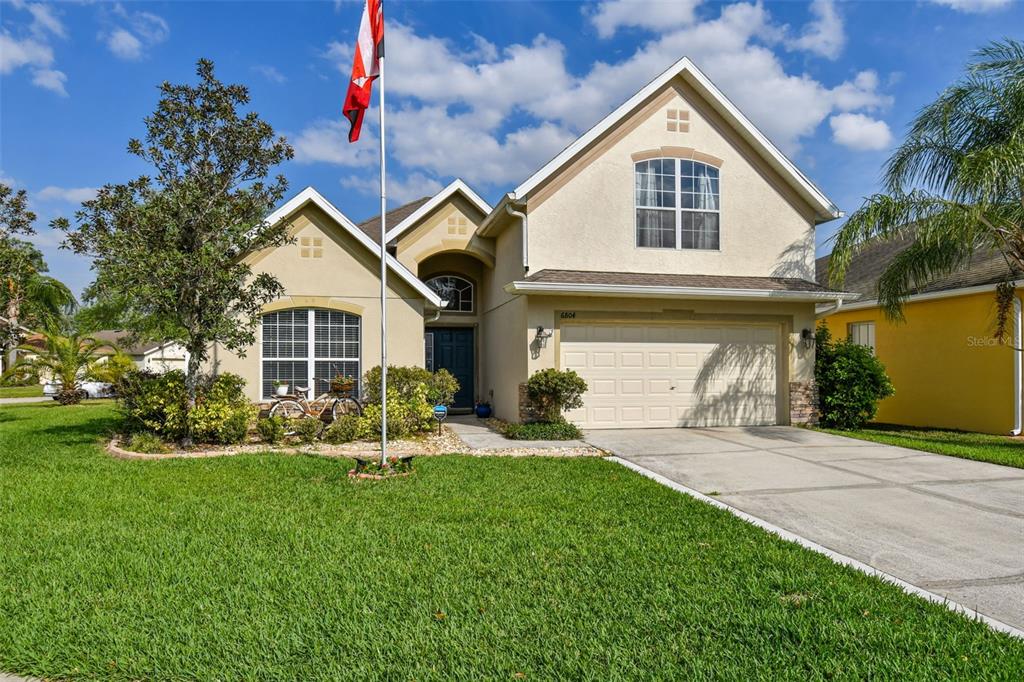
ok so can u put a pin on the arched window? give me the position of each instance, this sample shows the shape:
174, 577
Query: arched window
301, 343
456, 290
677, 204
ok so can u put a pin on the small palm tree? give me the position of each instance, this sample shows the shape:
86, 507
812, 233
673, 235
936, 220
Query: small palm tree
955, 185
68, 358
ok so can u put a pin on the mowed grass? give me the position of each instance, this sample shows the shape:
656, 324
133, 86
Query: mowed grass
34, 391
983, 447
279, 567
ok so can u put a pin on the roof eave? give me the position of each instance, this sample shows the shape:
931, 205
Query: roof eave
457, 186
645, 291
310, 195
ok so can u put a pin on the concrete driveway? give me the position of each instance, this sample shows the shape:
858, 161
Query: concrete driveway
951, 526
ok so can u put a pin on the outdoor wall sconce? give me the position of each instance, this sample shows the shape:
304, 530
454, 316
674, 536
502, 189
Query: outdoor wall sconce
542, 336
807, 338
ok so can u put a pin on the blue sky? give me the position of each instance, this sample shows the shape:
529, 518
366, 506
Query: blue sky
483, 90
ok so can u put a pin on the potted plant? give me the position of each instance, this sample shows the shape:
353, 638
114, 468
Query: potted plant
280, 388
342, 384
483, 409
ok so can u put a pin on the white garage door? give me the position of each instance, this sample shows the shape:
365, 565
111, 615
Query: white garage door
673, 375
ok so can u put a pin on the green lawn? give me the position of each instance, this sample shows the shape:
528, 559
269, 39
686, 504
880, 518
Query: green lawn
278, 567
34, 391
983, 447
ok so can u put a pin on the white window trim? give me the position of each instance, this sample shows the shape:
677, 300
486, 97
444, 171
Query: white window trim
311, 358
869, 325
472, 291
677, 209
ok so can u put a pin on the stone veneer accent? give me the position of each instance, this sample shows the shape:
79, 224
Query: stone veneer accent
527, 412
803, 402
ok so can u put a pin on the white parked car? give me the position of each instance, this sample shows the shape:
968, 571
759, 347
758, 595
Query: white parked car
90, 389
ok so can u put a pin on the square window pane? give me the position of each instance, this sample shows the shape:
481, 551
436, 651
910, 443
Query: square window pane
655, 229
686, 168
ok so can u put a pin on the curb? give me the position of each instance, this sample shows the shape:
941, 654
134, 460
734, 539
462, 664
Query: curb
835, 556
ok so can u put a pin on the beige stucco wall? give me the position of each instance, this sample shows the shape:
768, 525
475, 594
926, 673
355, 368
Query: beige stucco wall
344, 277
502, 321
791, 318
449, 228
587, 223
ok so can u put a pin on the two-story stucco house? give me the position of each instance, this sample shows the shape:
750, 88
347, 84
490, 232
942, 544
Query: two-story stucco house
667, 256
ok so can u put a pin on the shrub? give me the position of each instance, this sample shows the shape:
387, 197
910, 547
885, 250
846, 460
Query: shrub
345, 429
850, 380
20, 375
113, 369
412, 393
146, 443
156, 403
307, 430
271, 429
557, 430
553, 391
441, 386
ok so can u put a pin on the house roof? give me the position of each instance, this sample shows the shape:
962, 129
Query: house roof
457, 186
824, 207
987, 267
310, 195
115, 337
395, 216
660, 284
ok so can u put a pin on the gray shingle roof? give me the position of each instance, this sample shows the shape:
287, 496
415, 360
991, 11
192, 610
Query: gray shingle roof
667, 280
987, 267
371, 226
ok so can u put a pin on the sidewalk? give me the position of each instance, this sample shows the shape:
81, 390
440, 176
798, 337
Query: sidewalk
24, 401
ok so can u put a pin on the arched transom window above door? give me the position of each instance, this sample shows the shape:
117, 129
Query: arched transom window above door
454, 289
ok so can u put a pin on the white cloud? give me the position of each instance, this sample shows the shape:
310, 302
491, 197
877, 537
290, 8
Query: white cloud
44, 20
493, 115
70, 195
270, 73
15, 53
860, 132
400, 191
823, 35
130, 34
124, 45
50, 79
974, 6
327, 142
611, 15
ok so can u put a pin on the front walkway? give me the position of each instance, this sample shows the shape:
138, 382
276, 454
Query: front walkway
951, 526
30, 399
481, 439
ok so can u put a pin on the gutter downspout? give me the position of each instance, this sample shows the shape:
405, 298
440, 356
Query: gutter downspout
526, 242
829, 311
1018, 337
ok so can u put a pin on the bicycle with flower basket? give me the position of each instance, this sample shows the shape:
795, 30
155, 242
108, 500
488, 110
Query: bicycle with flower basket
337, 401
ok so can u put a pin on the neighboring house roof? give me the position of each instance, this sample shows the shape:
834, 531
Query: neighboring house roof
424, 208
371, 226
825, 208
118, 339
658, 284
986, 268
310, 195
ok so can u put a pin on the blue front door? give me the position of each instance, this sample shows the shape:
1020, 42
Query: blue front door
453, 351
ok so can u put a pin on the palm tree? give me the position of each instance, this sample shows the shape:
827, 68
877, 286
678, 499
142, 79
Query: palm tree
954, 186
67, 357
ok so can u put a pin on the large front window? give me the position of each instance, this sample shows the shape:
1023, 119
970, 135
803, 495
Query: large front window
292, 354
677, 204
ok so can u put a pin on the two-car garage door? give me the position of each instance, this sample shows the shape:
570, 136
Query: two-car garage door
673, 375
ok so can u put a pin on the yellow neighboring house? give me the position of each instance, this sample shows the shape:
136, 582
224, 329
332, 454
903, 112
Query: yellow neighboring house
948, 368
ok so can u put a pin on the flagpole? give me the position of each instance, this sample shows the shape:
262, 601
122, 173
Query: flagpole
383, 279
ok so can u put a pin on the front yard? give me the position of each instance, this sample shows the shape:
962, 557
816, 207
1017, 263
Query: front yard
34, 391
272, 566
983, 447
